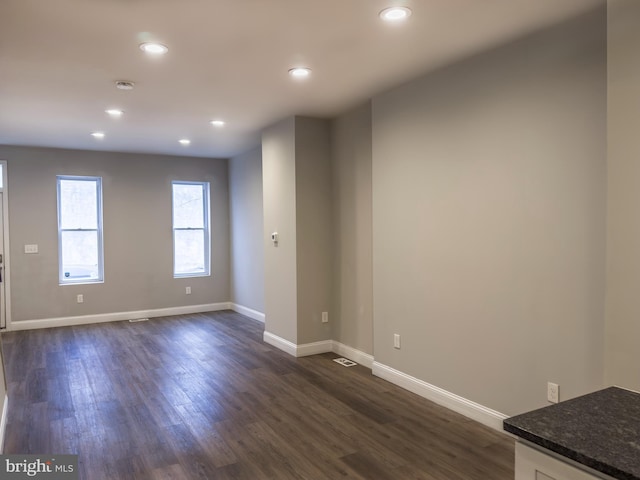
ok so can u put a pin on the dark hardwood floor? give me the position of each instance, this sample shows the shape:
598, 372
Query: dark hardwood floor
201, 396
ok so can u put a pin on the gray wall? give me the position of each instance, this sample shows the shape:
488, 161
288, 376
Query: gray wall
314, 228
482, 185
297, 186
623, 301
352, 263
247, 246
137, 232
489, 194
279, 204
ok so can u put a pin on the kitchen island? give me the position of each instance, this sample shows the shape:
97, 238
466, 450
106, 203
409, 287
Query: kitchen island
595, 436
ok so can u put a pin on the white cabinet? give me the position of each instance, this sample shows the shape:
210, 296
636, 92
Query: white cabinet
532, 464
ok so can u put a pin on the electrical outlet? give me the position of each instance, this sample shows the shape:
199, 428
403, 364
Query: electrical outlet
325, 317
553, 392
80, 298
31, 249
396, 341
187, 290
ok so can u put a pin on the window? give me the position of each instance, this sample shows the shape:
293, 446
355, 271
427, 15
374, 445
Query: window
191, 244
80, 229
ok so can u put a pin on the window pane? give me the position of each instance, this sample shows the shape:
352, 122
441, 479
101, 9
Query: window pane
190, 228
79, 255
80, 229
188, 206
78, 204
189, 252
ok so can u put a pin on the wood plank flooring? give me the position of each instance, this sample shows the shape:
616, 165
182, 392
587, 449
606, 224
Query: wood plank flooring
202, 397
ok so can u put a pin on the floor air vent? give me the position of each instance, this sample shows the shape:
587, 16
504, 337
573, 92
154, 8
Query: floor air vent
345, 362
133, 320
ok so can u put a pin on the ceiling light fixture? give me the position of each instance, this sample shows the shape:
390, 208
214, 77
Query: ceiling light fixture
98, 135
395, 14
217, 123
154, 48
124, 85
300, 72
114, 112
184, 141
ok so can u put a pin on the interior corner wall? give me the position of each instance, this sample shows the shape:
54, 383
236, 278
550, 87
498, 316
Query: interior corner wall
247, 231
314, 227
352, 215
138, 247
279, 206
489, 200
623, 242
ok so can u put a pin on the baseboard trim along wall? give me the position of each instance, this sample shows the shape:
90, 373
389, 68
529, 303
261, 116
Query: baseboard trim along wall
454, 402
354, 354
280, 343
118, 316
297, 350
306, 349
315, 348
3, 422
247, 312
461, 405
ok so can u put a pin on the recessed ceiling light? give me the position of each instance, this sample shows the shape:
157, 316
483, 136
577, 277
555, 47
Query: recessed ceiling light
300, 72
184, 141
114, 112
217, 123
154, 48
395, 14
124, 85
97, 135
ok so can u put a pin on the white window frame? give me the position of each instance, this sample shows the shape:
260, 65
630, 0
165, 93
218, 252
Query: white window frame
205, 229
61, 278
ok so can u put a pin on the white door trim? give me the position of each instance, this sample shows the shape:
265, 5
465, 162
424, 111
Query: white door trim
6, 267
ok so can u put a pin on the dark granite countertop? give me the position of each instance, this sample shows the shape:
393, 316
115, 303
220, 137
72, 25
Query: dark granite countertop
600, 430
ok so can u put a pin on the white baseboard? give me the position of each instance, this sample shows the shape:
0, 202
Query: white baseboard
3, 422
280, 343
454, 402
314, 348
118, 316
247, 312
351, 353
324, 346
294, 350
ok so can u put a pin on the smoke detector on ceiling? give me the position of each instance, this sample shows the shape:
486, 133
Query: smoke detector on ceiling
124, 85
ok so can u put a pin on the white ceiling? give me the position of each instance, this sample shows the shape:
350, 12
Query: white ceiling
228, 59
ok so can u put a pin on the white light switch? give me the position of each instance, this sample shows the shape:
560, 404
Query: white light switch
31, 249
